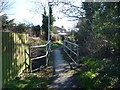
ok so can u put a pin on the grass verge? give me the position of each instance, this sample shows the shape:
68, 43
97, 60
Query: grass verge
38, 79
55, 45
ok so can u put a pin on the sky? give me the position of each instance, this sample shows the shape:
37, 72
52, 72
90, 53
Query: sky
21, 12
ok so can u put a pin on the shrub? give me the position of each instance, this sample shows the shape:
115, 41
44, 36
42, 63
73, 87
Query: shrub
100, 73
56, 37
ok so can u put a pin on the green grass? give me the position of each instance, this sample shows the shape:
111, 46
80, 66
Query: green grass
55, 45
30, 81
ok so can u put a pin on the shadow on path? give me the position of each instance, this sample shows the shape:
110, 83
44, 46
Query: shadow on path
64, 77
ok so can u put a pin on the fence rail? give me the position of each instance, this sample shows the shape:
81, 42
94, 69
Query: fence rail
71, 49
47, 46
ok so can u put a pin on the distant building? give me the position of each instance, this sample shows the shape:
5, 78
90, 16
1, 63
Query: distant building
60, 31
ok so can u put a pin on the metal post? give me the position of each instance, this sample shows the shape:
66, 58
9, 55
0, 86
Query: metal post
64, 45
49, 22
46, 55
50, 46
71, 49
67, 46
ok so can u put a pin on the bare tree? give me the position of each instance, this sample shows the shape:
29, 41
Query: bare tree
71, 8
38, 6
5, 5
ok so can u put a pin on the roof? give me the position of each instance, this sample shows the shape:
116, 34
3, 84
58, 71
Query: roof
58, 28
63, 34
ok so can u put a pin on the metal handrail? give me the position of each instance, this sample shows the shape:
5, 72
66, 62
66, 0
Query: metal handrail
40, 45
71, 42
47, 45
71, 51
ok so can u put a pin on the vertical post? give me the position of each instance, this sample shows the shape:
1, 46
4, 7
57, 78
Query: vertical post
49, 50
1, 61
1, 54
64, 45
70, 49
30, 59
64, 42
49, 23
49, 5
49, 37
50, 45
77, 53
46, 55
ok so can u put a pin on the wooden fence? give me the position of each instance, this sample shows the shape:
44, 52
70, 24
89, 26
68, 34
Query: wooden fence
14, 56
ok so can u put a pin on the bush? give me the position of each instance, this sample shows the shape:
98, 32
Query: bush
101, 73
56, 37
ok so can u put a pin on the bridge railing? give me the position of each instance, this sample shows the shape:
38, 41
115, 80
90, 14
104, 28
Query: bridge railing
72, 50
46, 55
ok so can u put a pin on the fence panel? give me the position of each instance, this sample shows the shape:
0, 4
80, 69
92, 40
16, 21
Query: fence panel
14, 57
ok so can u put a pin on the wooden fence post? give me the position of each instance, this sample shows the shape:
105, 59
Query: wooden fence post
30, 61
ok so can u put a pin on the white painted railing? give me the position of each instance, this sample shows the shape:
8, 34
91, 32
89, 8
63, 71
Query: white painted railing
70, 49
47, 46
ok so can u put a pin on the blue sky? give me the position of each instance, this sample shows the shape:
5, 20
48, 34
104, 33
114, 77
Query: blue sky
21, 13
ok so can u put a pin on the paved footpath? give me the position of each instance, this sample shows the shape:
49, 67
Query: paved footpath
64, 76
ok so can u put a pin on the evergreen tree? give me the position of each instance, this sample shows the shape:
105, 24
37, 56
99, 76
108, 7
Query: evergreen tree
45, 22
7, 24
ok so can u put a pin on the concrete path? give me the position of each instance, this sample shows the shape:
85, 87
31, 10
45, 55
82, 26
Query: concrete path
64, 76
